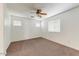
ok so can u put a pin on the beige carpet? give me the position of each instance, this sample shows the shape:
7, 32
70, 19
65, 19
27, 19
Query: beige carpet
39, 47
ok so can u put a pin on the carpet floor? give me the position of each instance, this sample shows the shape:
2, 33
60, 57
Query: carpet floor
39, 47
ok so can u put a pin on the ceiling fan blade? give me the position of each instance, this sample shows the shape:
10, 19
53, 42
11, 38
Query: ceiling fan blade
43, 13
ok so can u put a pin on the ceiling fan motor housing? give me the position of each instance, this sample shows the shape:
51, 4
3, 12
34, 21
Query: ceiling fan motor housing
38, 11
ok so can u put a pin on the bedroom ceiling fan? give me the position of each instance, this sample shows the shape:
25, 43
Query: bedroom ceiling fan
39, 13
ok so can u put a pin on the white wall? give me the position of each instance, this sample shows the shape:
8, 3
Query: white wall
69, 34
17, 32
7, 29
26, 31
1, 29
34, 31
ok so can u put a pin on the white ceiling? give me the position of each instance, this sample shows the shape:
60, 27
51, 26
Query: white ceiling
26, 9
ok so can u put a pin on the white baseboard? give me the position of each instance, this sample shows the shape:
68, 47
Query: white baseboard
5, 50
26, 39
62, 44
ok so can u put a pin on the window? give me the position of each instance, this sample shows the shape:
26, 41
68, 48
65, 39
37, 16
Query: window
17, 23
54, 26
37, 24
